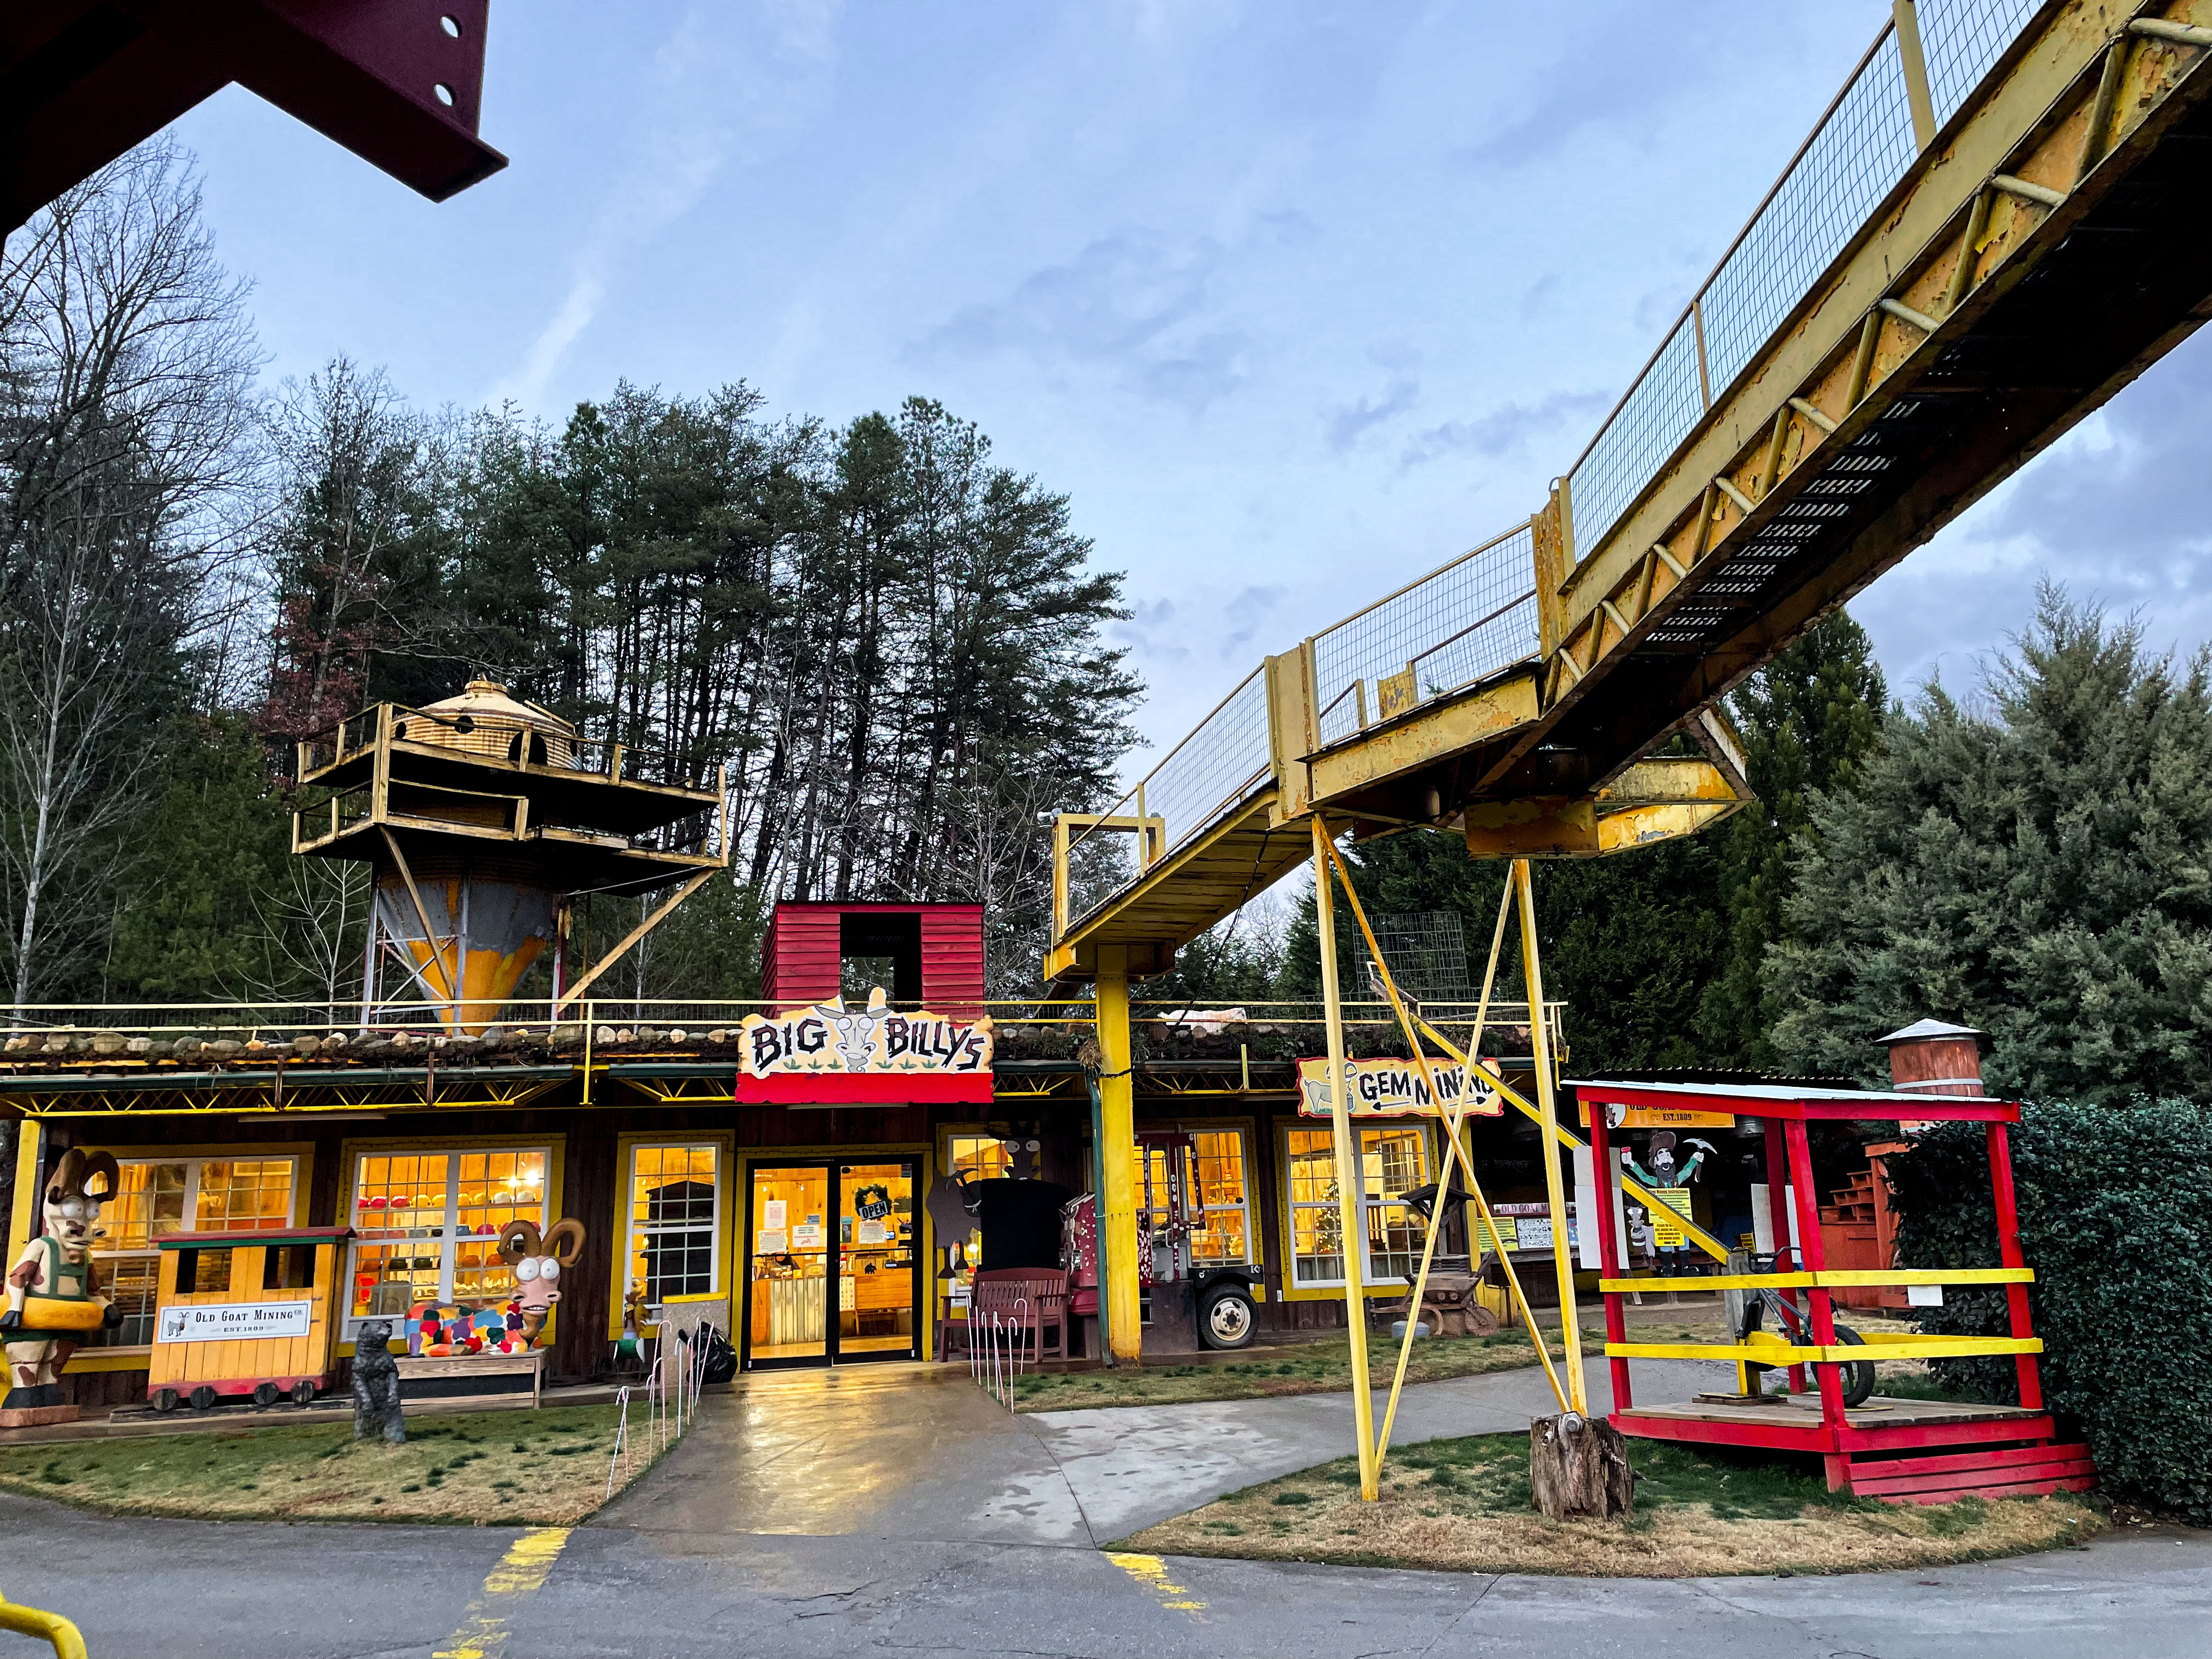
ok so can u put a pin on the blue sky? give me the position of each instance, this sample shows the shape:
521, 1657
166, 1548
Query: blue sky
1295, 301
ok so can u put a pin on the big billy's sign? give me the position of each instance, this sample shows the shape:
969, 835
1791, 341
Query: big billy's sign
827, 1054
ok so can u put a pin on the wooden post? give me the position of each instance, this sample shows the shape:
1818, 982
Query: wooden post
1547, 1107
1118, 1155
2008, 1253
1351, 1179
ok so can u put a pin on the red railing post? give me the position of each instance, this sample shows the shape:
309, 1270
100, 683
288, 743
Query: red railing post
2008, 1253
1608, 1249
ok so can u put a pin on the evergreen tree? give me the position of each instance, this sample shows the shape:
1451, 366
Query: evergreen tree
1629, 942
2043, 871
1808, 720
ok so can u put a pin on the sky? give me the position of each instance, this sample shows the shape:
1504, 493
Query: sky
1293, 300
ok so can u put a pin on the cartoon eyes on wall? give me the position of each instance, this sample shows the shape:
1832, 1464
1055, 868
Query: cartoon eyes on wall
547, 1267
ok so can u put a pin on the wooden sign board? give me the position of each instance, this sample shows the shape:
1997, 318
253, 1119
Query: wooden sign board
1659, 1117
1394, 1088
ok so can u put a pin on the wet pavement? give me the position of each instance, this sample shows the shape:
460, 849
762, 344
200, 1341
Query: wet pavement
900, 1511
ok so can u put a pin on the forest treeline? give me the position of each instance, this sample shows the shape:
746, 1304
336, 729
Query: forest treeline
894, 645
898, 648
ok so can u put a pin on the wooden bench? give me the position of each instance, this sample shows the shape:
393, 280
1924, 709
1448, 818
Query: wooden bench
495, 1379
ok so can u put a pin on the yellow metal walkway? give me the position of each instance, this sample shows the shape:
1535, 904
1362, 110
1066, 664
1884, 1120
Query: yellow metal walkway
2005, 215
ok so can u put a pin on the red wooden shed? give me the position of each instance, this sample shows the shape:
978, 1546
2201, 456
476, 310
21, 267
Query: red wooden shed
933, 952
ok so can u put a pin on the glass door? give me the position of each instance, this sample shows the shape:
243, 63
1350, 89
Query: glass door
789, 1247
880, 1280
832, 1275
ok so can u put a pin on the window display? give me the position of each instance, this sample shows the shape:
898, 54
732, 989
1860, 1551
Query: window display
218, 1194
1393, 1160
428, 1224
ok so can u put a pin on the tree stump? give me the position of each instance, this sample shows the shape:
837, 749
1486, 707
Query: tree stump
1579, 1466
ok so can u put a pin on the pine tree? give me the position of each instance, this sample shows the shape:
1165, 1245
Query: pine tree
1629, 942
1808, 720
2043, 871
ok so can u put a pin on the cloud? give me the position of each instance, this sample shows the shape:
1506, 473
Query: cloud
1132, 301
725, 73
1503, 431
1345, 424
1146, 307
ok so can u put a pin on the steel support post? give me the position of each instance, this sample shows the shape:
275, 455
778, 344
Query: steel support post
1547, 1108
1608, 1249
1117, 1158
1351, 1180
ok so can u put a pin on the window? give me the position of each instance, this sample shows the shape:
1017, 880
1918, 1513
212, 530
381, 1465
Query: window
158, 1197
1220, 1222
427, 1226
1227, 1235
1393, 1161
675, 1221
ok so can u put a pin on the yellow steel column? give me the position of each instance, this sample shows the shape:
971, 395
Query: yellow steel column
1351, 1178
23, 1219
1547, 1106
1117, 1158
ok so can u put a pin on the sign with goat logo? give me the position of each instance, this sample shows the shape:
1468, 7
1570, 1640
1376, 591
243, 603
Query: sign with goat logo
875, 1040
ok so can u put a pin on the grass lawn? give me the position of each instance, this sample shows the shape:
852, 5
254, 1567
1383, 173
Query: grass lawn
1308, 1368
543, 1468
1464, 1505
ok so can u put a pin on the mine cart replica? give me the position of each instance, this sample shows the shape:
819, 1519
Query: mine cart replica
246, 1314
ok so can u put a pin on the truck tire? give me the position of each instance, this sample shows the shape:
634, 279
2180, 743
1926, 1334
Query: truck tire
1226, 1318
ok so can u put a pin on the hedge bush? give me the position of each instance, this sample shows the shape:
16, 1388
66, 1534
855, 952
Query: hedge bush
2115, 1212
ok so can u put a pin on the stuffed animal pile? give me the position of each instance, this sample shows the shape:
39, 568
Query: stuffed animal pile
435, 1330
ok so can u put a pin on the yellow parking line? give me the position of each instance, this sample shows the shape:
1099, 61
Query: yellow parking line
522, 1569
1152, 1573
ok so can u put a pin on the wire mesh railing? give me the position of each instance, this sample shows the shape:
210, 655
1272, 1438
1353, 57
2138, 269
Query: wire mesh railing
1855, 156
1451, 627
1477, 615
1222, 760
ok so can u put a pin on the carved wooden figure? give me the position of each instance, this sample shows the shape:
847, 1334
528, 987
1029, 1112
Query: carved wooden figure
538, 1264
53, 1303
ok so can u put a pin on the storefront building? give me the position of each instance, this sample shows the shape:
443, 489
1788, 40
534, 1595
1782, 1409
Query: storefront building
768, 1172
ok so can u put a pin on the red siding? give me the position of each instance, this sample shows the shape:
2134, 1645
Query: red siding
952, 960
799, 958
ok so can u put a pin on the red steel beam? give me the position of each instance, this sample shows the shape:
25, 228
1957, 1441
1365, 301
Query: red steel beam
399, 82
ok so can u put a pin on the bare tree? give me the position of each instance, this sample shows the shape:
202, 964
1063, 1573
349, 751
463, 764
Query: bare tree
126, 368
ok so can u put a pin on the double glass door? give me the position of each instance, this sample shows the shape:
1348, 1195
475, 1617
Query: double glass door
833, 1273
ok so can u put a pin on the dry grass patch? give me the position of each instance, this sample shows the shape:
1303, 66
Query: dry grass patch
1463, 1506
1310, 1368
543, 1467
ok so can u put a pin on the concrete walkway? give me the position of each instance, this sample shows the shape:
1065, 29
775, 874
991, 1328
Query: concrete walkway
871, 1513
922, 1453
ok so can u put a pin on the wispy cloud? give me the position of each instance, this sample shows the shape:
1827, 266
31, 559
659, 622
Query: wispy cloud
1504, 430
2115, 512
1146, 306
727, 76
1344, 424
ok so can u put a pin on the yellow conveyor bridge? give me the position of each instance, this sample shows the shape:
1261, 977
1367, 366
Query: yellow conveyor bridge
2003, 217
